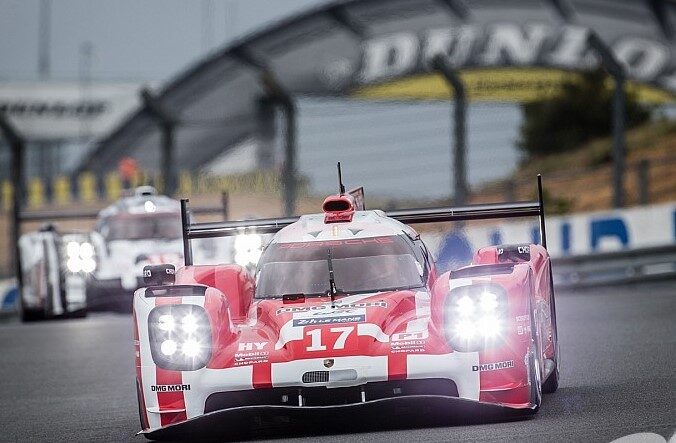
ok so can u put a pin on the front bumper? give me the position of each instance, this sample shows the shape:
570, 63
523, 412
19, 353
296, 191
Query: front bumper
298, 385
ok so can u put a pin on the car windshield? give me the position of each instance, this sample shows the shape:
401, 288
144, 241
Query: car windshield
142, 227
359, 266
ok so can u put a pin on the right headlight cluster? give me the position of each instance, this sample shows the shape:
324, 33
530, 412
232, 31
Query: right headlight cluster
180, 337
475, 316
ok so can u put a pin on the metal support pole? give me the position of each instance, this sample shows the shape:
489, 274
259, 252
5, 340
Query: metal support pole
278, 94
615, 69
619, 146
290, 182
167, 125
643, 173
461, 188
266, 130
225, 202
185, 222
510, 190
17, 145
168, 163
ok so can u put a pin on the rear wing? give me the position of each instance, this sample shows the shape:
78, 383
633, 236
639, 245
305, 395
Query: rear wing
193, 231
35, 216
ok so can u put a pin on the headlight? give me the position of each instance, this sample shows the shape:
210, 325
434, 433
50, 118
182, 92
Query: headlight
180, 337
475, 316
248, 248
80, 257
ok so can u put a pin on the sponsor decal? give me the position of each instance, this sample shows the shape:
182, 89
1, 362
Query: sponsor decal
493, 366
522, 329
326, 307
170, 388
359, 318
244, 359
501, 44
328, 363
249, 346
59, 109
249, 353
408, 342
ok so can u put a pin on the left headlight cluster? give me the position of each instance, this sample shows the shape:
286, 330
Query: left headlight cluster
475, 316
180, 337
80, 257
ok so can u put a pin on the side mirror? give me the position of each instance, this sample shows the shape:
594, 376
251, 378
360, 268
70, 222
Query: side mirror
159, 275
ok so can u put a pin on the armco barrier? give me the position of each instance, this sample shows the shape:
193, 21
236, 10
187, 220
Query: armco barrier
8, 297
616, 268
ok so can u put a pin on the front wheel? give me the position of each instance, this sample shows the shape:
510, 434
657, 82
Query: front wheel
28, 314
534, 353
551, 384
534, 378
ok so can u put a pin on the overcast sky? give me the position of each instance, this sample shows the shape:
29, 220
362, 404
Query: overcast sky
147, 40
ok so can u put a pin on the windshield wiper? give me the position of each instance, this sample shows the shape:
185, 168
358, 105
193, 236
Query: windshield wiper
332, 280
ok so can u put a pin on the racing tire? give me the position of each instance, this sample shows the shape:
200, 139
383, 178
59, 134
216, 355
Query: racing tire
31, 315
551, 384
80, 313
534, 376
139, 398
28, 315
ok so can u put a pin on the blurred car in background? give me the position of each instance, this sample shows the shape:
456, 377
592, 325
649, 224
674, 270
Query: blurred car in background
66, 273
54, 268
135, 231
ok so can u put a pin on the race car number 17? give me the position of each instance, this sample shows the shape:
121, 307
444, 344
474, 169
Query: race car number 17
316, 338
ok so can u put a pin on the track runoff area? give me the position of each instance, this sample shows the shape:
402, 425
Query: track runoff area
74, 381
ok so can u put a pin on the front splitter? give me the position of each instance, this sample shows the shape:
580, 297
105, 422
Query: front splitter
432, 408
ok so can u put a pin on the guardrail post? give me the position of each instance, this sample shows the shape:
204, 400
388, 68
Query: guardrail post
277, 93
615, 69
643, 179
167, 124
225, 202
17, 145
461, 189
510, 190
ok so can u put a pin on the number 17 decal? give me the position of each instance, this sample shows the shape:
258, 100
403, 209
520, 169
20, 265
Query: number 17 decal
316, 338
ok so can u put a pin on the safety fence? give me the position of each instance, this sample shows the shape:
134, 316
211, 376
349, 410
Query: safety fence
648, 180
88, 188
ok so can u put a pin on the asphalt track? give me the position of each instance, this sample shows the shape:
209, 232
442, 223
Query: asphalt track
74, 380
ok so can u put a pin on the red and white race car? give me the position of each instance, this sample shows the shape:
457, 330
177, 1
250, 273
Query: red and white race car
346, 309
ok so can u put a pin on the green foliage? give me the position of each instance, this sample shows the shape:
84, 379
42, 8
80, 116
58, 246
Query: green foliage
581, 112
554, 205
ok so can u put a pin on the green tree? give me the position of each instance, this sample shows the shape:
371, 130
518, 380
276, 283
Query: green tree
581, 112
